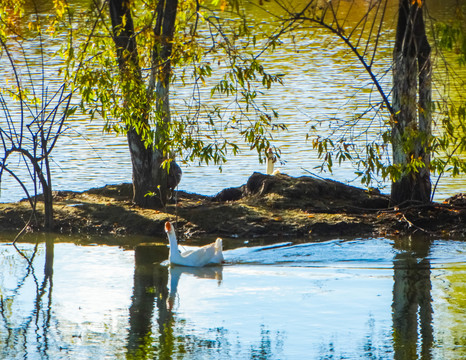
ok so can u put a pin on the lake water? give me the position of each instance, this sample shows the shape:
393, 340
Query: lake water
322, 82
352, 299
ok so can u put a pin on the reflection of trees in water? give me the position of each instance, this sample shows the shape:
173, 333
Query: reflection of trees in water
266, 349
157, 333
150, 285
412, 301
218, 345
372, 347
411, 308
157, 285
16, 339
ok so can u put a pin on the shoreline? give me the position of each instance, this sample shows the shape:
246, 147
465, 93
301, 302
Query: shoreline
267, 206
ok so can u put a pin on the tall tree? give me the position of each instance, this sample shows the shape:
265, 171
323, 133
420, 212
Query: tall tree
149, 176
409, 129
412, 110
150, 38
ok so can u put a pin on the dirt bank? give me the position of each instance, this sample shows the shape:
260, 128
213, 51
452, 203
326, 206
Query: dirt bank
267, 206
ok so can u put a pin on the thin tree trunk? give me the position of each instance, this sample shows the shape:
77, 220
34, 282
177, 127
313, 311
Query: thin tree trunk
48, 207
411, 125
46, 184
47, 187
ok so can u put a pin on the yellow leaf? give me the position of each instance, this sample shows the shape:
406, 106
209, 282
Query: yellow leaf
223, 5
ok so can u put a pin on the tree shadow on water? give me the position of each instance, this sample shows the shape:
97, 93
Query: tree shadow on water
412, 300
156, 284
32, 334
157, 332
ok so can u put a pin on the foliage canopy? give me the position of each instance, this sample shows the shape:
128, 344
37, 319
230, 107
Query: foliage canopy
213, 56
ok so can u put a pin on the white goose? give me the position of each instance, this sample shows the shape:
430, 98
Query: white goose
209, 254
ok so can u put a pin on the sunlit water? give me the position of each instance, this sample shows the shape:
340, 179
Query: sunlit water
364, 298
322, 81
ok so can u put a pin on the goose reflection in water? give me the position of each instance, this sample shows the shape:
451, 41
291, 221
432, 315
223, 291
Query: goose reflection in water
206, 272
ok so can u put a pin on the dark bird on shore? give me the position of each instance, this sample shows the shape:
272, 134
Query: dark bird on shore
174, 176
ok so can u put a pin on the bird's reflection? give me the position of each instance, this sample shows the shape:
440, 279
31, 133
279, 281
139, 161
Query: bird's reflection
157, 284
206, 272
412, 300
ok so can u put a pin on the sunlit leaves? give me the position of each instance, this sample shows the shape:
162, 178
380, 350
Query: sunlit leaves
204, 44
11, 13
452, 37
61, 7
450, 145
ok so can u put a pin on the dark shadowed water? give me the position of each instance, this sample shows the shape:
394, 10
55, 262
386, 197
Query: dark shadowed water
351, 299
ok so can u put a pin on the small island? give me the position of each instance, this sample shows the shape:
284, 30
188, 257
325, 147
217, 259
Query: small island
267, 206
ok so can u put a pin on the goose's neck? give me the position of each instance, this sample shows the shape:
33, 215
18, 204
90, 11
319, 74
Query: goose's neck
172, 241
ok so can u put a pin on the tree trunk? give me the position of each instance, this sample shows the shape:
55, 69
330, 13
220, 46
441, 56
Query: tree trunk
411, 125
48, 207
425, 109
146, 166
46, 183
148, 175
159, 82
47, 187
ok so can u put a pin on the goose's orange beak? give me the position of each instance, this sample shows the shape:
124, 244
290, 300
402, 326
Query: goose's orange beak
168, 226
